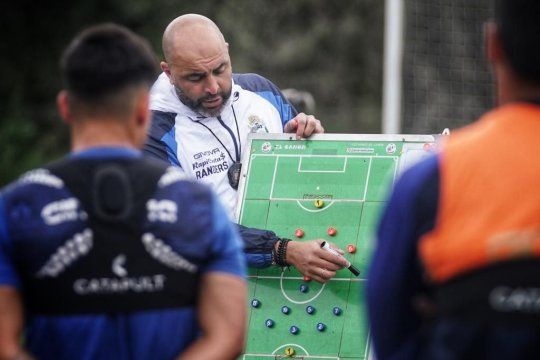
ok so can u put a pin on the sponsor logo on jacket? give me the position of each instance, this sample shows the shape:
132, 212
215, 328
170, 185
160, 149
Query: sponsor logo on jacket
212, 164
256, 124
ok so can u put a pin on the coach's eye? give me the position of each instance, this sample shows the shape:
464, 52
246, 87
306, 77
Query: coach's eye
195, 77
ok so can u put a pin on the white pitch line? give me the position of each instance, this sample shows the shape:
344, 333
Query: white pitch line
253, 156
273, 356
299, 302
271, 198
323, 199
333, 156
299, 278
322, 171
283, 346
367, 178
395, 170
314, 210
299, 170
274, 177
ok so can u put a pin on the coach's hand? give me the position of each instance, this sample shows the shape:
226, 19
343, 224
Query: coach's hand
304, 126
308, 258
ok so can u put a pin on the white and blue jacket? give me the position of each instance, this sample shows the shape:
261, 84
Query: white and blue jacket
205, 147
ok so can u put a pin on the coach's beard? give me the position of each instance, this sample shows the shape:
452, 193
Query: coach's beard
197, 106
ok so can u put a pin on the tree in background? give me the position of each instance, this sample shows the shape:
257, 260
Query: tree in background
333, 49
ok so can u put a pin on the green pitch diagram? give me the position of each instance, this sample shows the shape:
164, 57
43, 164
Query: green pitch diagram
329, 187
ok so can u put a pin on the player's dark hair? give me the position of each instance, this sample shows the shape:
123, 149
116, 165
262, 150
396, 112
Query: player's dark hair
104, 60
519, 26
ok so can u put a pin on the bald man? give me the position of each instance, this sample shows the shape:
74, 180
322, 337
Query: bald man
202, 115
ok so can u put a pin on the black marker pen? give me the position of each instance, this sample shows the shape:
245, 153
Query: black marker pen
351, 267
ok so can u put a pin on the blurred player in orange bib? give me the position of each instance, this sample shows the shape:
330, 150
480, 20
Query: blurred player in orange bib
456, 272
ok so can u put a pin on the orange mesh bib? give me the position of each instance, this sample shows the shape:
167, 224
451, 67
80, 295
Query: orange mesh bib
489, 205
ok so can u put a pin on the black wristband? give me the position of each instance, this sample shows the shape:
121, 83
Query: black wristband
281, 253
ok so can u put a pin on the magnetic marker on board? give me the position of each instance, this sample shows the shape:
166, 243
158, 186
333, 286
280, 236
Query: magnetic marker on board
351, 267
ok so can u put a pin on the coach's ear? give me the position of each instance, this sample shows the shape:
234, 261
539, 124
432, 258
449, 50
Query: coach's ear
165, 68
62, 102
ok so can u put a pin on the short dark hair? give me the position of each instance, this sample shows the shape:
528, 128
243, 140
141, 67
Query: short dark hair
105, 59
519, 28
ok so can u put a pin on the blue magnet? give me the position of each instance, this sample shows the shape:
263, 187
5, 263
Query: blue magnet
286, 310
255, 303
310, 310
321, 327
304, 288
294, 330
269, 323
337, 311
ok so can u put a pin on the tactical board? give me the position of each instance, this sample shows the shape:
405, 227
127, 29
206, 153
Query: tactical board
329, 181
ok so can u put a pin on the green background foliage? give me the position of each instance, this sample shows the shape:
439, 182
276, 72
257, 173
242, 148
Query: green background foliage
332, 49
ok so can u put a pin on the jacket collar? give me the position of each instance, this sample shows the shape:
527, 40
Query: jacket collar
163, 97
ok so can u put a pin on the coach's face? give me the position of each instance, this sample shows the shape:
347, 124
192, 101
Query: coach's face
201, 73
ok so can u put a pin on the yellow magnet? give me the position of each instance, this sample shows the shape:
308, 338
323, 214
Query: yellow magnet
289, 351
319, 203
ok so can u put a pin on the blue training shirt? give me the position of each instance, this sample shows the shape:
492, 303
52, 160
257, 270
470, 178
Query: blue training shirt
202, 234
395, 274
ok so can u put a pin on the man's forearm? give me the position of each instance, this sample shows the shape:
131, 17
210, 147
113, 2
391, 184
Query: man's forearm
221, 312
258, 245
11, 324
21, 355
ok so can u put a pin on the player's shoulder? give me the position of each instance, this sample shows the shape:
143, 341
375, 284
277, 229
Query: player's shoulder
267, 91
33, 181
163, 120
163, 96
419, 176
35, 198
180, 187
254, 82
416, 192
260, 93
190, 204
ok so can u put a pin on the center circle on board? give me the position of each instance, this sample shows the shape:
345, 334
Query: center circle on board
290, 297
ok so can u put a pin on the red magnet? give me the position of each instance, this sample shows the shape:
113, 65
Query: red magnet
307, 278
351, 249
331, 231
299, 233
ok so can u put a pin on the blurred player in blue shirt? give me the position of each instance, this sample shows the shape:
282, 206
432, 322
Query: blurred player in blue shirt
107, 254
